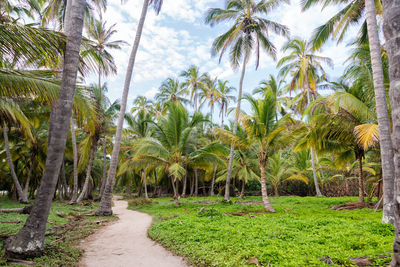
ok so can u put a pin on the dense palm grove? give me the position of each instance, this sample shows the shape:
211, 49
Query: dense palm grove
301, 133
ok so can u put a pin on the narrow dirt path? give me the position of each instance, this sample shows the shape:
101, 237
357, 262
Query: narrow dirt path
125, 243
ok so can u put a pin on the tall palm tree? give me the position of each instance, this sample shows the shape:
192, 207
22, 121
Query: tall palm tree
262, 126
249, 31
224, 98
209, 93
392, 33
354, 12
29, 241
305, 68
193, 82
105, 203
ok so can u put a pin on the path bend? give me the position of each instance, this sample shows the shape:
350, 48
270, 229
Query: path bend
125, 243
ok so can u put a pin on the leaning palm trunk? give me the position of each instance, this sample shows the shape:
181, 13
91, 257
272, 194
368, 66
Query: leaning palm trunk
75, 153
105, 203
264, 192
29, 241
21, 196
382, 113
213, 182
391, 30
88, 172
235, 125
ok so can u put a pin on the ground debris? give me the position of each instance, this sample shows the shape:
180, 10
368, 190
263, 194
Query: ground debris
254, 260
19, 262
361, 261
328, 260
353, 206
245, 212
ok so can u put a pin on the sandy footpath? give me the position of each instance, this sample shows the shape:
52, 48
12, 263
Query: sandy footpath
125, 243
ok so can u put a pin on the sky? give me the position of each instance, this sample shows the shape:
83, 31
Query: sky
178, 38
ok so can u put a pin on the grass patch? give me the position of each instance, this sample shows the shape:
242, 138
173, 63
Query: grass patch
302, 232
67, 225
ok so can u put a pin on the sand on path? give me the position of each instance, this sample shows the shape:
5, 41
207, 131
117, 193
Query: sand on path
125, 243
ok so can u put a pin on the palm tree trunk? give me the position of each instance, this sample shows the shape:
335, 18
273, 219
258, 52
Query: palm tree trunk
242, 191
391, 31
382, 113
145, 184
276, 192
196, 183
103, 179
213, 182
28, 179
88, 172
105, 203
29, 241
184, 185
64, 181
21, 196
360, 179
264, 192
75, 152
222, 116
128, 188
192, 186
235, 125
317, 190
173, 187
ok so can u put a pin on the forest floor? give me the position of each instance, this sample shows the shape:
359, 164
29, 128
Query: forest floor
125, 243
67, 225
304, 231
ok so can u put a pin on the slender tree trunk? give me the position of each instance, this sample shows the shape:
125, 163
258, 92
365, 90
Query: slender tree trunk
103, 179
105, 203
235, 125
317, 190
145, 184
21, 196
173, 187
241, 196
360, 180
184, 185
391, 30
213, 182
29, 241
204, 188
222, 117
276, 192
64, 181
59, 188
128, 188
264, 192
28, 179
382, 113
75, 153
88, 172
192, 186
196, 183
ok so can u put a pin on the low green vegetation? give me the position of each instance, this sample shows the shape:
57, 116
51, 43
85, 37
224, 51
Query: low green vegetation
304, 231
67, 225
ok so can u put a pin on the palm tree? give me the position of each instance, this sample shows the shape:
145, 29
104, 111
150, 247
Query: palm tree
29, 241
141, 104
351, 13
266, 132
249, 31
193, 82
278, 172
224, 98
392, 33
209, 93
105, 203
171, 90
305, 69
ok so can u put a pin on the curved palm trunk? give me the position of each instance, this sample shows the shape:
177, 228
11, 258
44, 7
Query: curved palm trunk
29, 241
88, 172
103, 179
75, 152
264, 192
391, 31
382, 113
21, 196
241, 196
360, 179
235, 125
105, 203
145, 184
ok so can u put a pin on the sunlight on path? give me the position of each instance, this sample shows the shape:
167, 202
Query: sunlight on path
125, 243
